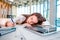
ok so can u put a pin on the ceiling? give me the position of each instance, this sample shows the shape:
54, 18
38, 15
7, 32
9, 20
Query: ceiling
23, 2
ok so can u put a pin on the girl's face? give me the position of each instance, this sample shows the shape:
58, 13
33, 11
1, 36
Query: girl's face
32, 19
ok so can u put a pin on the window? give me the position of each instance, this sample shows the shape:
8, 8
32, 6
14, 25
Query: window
58, 2
58, 13
23, 10
45, 9
58, 9
40, 7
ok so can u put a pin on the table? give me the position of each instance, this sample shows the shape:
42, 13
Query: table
23, 34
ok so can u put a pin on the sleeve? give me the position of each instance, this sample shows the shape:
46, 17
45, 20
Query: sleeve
46, 23
3, 21
19, 19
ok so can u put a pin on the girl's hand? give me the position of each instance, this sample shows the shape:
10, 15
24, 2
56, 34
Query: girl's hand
27, 25
9, 24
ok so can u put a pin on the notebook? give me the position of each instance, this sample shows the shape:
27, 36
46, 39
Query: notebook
7, 30
43, 29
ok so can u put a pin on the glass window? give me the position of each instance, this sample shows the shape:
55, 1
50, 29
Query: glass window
42, 9
38, 7
58, 1
45, 6
23, 10
58, 11
58, 8
45, 9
